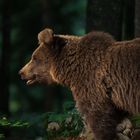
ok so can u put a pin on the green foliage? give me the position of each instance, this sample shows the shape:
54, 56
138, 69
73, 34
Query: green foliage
67, 124
45, 125
136, 120
11, 124
4, 122
48, 125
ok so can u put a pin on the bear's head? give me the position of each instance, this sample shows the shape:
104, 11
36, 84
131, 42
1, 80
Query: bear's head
39, 67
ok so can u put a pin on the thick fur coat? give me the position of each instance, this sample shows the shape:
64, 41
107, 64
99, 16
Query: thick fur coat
104, 75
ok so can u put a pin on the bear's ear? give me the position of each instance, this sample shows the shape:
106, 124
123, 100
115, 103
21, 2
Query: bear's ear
59, 41
45, 36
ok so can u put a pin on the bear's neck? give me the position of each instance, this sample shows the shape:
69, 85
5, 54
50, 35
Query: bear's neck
78, 64
79, 72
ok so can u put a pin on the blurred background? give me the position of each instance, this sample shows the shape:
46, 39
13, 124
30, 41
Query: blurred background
25, 109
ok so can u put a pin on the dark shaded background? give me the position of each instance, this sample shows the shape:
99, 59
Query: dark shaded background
20, 23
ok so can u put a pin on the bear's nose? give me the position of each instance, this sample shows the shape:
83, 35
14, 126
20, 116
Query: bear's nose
21, 73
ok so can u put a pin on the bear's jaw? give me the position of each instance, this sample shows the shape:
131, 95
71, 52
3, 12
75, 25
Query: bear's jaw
30, 82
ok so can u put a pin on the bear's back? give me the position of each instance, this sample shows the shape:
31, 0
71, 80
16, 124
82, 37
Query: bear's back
123, 60
101, 40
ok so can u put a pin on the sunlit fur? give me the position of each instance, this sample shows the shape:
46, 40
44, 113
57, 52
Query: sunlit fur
104, 75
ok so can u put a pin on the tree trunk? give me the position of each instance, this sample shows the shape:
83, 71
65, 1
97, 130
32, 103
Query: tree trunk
128, 19
137, 18
46, 13
105, 16
5, 59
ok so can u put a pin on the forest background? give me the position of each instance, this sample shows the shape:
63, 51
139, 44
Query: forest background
30, 109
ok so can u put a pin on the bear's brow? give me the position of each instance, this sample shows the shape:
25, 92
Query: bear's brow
34, 56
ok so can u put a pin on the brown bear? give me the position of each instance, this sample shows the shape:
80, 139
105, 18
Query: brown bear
103, 74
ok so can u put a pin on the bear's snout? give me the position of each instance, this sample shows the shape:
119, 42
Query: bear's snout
25, 72
28, 77
22, 74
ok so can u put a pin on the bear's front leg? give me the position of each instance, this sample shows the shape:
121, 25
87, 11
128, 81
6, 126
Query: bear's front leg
104, 120
125, 130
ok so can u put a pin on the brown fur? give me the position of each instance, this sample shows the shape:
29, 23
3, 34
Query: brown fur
103, 75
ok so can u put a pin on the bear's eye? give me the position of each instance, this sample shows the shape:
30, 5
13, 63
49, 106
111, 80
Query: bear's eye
36, 60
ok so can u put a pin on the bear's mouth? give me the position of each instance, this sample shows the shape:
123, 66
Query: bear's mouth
30, 82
